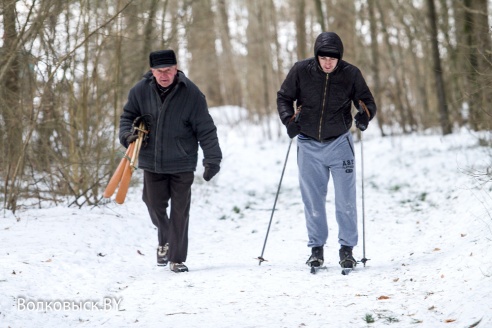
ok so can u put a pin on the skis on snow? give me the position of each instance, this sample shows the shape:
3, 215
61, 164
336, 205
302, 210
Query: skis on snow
346, 271
315, 269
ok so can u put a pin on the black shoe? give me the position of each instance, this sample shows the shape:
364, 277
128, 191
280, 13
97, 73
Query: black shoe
162, 258
316, 259
346, 258
178, 267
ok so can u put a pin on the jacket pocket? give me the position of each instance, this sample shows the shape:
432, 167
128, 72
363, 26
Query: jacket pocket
187, 146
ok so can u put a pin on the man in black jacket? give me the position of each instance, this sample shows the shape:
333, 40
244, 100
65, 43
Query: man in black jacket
323, 89
175, 113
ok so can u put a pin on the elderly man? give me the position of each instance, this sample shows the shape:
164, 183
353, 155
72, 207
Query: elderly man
175, 113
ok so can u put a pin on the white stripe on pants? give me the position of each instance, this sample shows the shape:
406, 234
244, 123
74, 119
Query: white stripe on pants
316, 161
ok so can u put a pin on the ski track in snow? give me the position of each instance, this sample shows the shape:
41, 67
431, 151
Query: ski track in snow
428, 238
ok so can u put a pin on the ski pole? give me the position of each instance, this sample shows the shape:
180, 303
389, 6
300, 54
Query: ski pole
363, 260
294, 118
260, 258
362, 108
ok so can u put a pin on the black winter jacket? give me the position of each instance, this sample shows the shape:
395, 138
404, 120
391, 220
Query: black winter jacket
325, 98
178, 126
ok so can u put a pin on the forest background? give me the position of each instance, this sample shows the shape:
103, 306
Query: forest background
66, 68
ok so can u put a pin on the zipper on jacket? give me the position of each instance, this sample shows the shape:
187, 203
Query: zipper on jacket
323, 108
160, 115
157, 125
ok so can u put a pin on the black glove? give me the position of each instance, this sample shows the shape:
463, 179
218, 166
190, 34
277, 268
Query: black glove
210, 171
146, 119
361, 121
130, 138
293, 129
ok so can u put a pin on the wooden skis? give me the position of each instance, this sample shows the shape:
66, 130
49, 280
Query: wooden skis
116, 178
123, 174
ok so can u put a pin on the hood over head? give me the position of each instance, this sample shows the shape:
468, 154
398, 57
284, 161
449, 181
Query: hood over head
328, 44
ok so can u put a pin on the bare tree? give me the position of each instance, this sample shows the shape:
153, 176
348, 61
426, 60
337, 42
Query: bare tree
76, 61
204, 66
61, 121
436, 59
416, 84
301, 29
342, 17
320, 16
232, 93
477, 38
10, 98
149, 34
375, 66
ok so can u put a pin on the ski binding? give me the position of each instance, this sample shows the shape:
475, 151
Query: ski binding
315, 269
347, 271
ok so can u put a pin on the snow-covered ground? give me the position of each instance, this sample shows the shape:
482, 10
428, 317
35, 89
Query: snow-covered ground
428, 237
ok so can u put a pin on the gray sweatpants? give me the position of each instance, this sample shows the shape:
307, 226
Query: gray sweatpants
316, 161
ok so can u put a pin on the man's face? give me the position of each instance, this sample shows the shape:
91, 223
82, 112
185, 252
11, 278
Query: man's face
165, 76
328, 64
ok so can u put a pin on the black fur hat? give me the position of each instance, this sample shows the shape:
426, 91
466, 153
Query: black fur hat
162, 58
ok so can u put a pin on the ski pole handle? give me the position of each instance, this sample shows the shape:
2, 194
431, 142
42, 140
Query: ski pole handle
295, 117
363, 108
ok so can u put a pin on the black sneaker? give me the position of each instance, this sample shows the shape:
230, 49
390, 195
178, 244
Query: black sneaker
162, 258
178, 267
316, 259
346, 258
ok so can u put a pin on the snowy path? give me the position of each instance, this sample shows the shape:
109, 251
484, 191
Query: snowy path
428, 238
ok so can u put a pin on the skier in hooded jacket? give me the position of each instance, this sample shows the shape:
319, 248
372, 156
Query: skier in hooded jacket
315, 104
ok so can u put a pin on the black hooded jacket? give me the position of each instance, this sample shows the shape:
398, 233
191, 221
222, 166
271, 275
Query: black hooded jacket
177, 126
325, 98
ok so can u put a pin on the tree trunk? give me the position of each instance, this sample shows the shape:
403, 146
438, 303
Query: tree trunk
231, 92
9, 100
375, 66
480, 44
342, 16
436, 59
320, 15
472, 69
395, 93
301, 29
453, 75
204, 65
149, 35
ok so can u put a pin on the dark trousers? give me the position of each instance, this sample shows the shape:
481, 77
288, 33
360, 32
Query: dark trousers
158, 191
